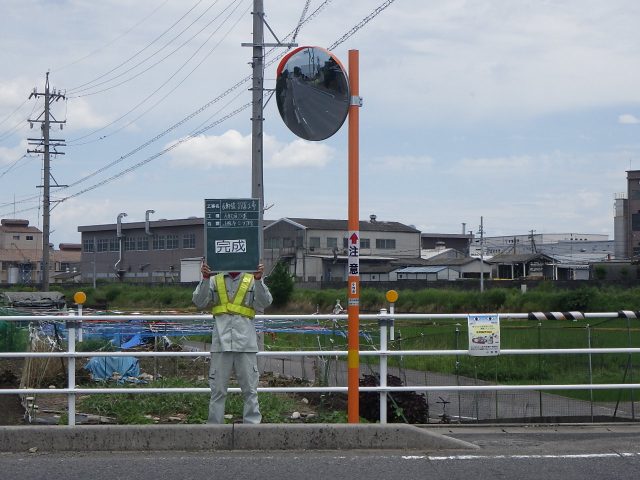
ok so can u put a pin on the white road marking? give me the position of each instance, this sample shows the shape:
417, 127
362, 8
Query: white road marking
519, 457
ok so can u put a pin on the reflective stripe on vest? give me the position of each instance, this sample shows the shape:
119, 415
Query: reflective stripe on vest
236, 305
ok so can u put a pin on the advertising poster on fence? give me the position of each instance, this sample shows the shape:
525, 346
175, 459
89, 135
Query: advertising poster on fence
484, 334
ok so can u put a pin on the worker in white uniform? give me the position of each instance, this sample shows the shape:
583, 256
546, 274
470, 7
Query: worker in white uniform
234, 341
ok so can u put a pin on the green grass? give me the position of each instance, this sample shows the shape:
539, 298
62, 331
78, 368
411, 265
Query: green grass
505, 369
140, 408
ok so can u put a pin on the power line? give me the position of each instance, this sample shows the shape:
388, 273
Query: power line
139, 51
162, 85
126, 32
9, 133
14, 163
158, 154
201, 109
361, 24
13, 112
75, 92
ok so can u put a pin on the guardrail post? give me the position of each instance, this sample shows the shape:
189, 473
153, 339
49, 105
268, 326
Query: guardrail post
383, 366
590, 369
71, 370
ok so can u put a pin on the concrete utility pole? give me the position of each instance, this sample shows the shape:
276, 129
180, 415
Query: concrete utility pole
257, 118
257, 121
48, 147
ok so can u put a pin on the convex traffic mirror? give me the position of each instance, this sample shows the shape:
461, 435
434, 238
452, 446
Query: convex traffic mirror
312, 92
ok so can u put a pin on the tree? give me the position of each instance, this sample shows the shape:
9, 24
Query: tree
280, 283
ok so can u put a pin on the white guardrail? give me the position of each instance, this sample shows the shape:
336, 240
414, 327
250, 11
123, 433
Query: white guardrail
386, 320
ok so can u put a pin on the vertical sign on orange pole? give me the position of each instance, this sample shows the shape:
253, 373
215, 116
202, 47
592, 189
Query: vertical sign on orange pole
353, 263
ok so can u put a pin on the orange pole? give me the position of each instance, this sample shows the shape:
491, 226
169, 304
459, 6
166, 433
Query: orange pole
353, 263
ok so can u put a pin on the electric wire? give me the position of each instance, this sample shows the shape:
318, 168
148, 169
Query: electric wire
114, 40
74, 142
361, 24
13, 112
213, 124
141, 50
9, 133
158, 154
186, 42
304, 12
217, 122
14, 163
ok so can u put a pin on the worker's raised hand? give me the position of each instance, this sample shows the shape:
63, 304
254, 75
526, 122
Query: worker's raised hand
206, 271
259, 272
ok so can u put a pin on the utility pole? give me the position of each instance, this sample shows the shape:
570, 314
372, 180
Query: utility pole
533, 242
46, 146
257, 119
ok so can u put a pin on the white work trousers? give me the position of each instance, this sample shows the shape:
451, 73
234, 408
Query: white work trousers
246, 367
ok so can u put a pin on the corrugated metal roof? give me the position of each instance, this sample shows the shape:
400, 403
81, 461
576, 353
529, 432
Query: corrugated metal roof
364, 226
135, 225
421, 269
519, 258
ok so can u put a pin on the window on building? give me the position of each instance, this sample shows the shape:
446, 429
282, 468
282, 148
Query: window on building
29, 237
332, 242
172, 242
103, 244
189, 240
386, 243
364, 243
314, 242
142, 243
273, 242
114, 244
16, 237
129, 243
87, 245
159, 242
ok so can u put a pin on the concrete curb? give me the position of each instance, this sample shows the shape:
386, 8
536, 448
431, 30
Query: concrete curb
224, 437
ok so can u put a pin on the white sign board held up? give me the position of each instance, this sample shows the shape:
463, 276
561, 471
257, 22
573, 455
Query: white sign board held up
484, 334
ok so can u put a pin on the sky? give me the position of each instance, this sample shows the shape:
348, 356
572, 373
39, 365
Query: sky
523, 112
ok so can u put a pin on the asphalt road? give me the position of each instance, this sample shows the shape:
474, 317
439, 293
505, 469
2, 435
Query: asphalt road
523, 453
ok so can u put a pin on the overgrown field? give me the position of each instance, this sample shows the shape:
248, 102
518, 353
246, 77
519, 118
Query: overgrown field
545, 297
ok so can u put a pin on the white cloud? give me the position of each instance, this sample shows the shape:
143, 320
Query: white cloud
81, 115
10, 155
404, 162
209, 151
628, 119
234, 149
493, 166
301, 153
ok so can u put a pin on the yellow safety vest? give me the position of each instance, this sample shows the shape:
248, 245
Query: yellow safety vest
236, 305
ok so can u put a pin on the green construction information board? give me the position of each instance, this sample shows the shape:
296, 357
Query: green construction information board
231, 232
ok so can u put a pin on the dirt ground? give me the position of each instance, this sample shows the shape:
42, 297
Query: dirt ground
11, 411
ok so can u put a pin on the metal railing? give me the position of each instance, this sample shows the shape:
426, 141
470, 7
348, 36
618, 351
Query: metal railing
74, 325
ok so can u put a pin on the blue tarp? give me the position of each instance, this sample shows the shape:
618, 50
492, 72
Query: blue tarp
102, 368
133, 341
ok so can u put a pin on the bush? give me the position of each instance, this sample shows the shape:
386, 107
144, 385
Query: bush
280, 283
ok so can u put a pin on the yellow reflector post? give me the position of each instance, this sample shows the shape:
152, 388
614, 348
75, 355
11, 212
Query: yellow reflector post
392, 296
